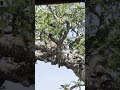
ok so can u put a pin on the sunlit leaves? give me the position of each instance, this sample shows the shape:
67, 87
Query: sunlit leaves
52, 19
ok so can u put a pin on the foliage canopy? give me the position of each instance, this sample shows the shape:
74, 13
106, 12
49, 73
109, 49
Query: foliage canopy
53, 19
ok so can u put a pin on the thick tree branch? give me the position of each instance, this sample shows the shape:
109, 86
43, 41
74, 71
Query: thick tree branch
71, 60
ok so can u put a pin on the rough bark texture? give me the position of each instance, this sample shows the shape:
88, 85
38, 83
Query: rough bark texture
102, 45
17, 58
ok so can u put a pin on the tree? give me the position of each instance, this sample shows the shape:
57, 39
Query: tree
60, 36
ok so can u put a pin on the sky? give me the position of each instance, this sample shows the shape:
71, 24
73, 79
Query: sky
50, 77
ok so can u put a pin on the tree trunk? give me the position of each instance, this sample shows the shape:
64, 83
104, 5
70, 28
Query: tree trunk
102, 49
17, 58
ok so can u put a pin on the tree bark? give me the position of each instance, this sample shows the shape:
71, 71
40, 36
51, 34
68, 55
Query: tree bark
17, 58
102, 53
